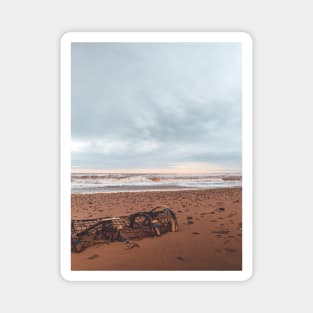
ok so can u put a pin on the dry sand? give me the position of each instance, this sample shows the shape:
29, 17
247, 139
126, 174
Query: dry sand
211, 240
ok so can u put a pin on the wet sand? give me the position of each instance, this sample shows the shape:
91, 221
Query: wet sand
209, 236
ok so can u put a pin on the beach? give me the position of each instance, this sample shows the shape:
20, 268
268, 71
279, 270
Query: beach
209, 235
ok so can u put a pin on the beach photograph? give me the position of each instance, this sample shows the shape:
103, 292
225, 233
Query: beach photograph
156, 156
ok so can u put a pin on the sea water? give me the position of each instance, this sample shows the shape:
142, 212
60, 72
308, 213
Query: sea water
112, 182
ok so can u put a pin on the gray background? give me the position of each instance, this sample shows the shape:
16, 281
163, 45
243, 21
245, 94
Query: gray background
29, 139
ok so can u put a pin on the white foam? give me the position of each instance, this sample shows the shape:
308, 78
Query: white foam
82, 183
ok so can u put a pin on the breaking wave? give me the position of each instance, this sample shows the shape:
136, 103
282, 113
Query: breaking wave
89, 183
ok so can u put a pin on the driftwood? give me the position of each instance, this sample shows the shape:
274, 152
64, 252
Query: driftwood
87, 232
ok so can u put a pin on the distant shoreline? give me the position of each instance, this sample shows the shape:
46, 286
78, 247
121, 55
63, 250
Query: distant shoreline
166, 171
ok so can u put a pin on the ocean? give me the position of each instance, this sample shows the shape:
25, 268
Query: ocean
111, 182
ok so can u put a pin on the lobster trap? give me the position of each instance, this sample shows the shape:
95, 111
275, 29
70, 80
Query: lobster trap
88, 232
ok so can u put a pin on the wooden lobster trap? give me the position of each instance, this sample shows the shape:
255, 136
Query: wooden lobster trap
87, 232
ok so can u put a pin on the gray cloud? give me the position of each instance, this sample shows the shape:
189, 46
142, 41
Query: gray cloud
155, 104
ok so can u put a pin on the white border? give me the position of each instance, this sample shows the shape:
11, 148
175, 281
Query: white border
65, 168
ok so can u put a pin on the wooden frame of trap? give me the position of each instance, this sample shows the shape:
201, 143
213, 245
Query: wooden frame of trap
88, 232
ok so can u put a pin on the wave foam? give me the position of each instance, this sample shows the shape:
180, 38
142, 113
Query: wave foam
109, 182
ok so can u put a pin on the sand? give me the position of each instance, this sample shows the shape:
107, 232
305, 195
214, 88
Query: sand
211, 240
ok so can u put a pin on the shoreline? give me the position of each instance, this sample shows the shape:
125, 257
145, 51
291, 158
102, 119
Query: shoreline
157, 190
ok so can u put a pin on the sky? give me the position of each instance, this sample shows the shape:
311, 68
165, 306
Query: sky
174, 106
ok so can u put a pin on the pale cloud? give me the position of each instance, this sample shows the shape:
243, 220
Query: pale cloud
79, 146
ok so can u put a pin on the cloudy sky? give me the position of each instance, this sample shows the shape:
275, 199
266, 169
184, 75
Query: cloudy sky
156, 105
